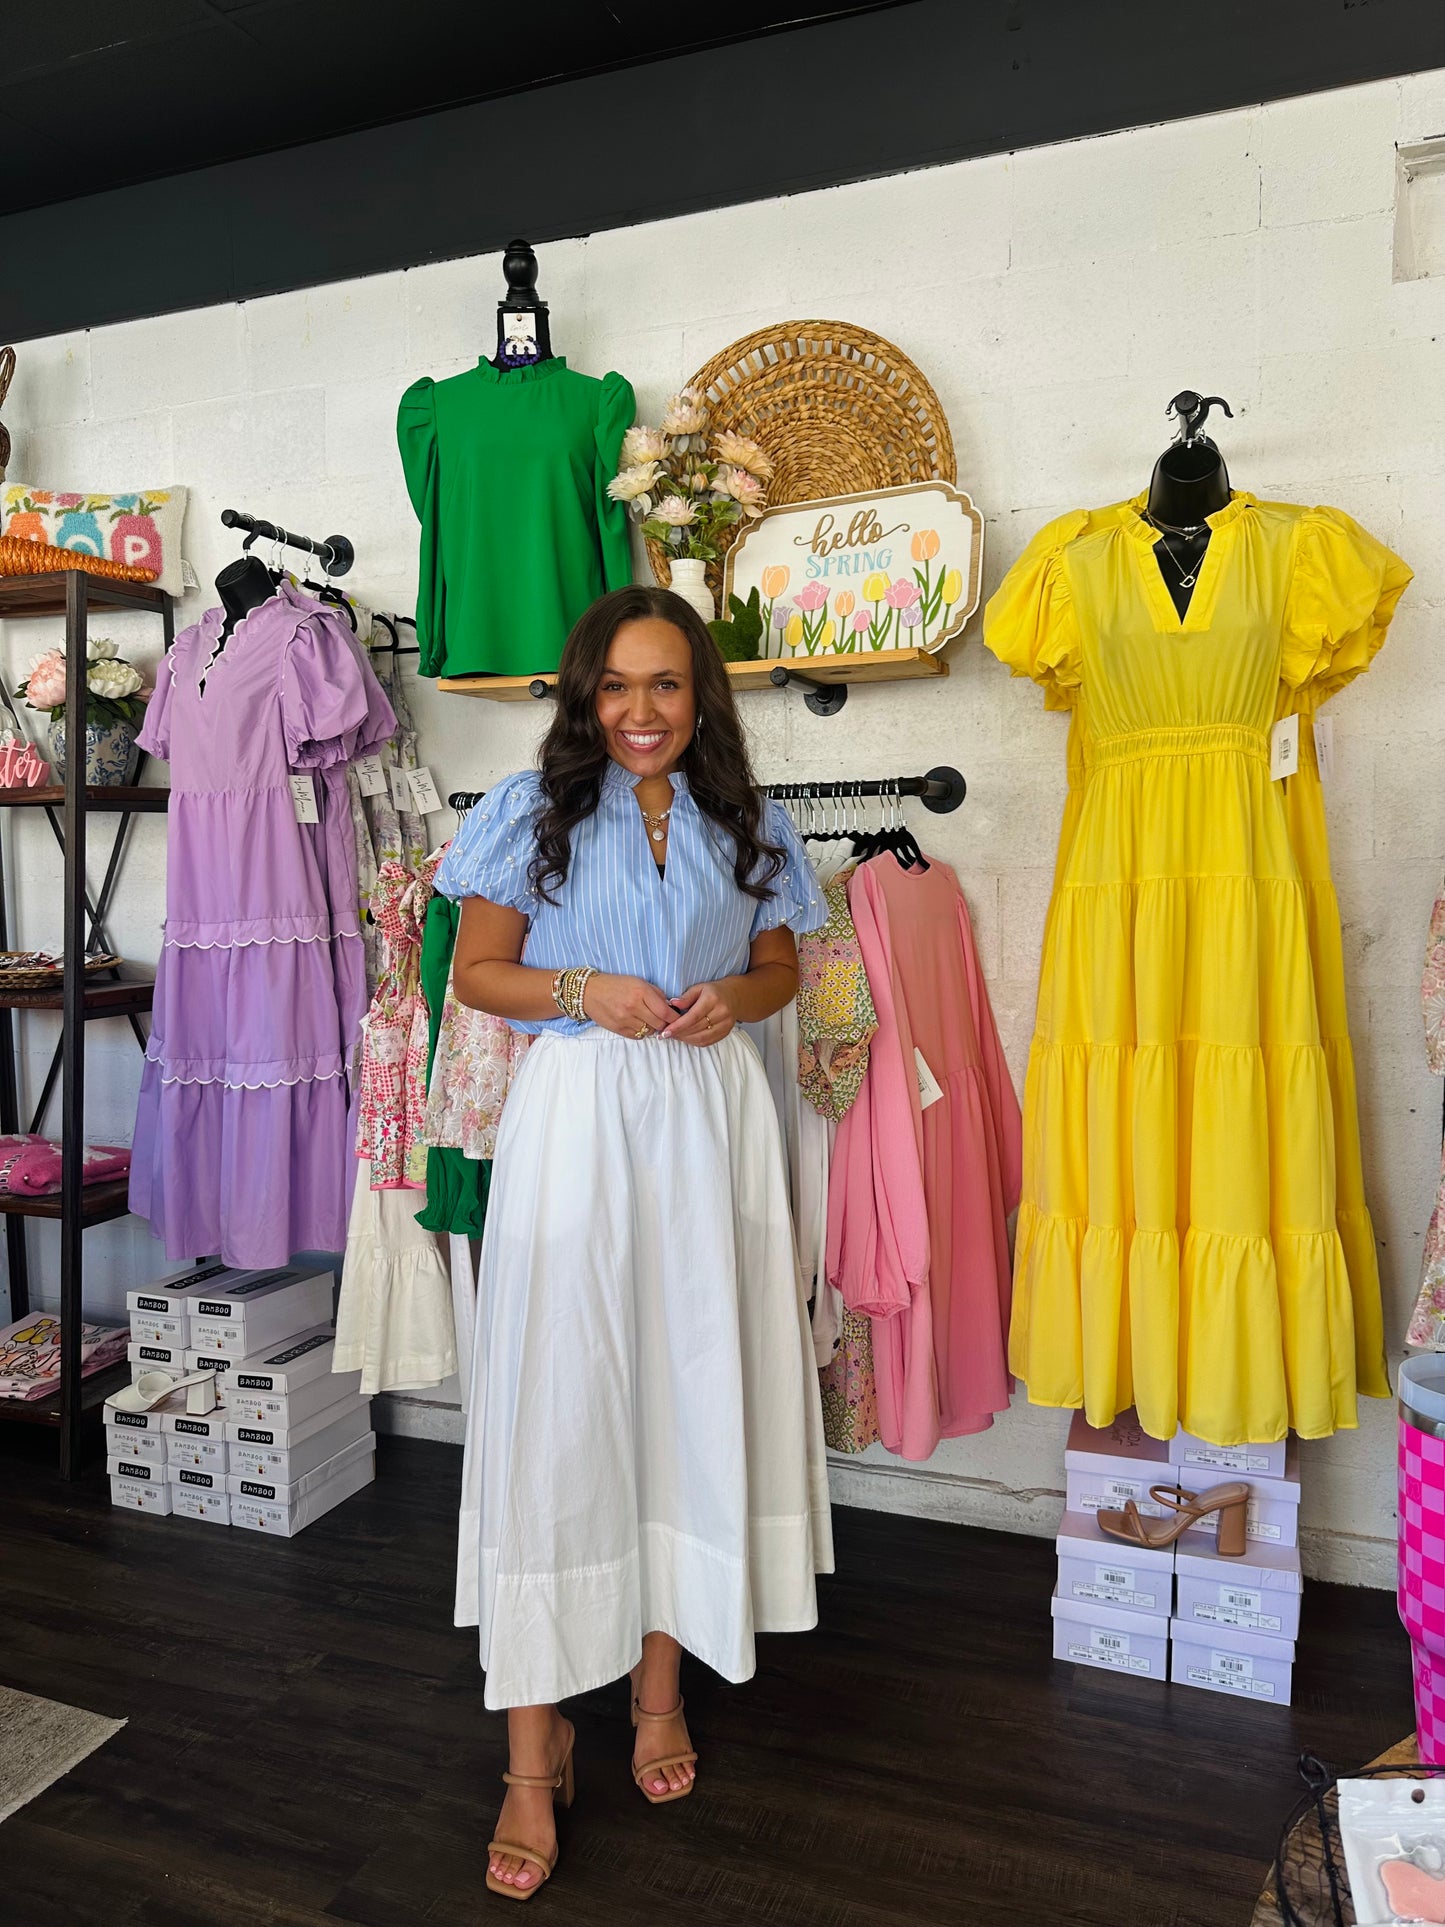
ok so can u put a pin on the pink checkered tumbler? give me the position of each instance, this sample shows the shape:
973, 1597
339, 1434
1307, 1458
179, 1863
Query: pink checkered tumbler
1422, 1543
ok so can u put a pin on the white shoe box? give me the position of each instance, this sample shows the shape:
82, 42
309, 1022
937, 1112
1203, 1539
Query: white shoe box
180, 1422
1122, 1642
122, 1443
317, 1439
286, 1510
155, 1358
1222, 1659
200, 1502
1252, 1461
1106, 1466
263, 1311
1257, 1593
279, 1388
202, 1455
1273, 1511
160, 1313
197, 1478
217, 1362
1099, 1570
139, 1484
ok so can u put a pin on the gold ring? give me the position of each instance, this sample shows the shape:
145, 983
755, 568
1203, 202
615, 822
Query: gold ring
646, 1031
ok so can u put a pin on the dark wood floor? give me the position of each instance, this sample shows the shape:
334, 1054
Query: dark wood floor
307, 1743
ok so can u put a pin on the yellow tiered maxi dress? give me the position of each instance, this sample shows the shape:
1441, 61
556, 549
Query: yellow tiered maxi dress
1193, 1238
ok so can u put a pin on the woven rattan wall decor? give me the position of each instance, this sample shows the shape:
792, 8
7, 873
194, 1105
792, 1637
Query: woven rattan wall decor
839, 409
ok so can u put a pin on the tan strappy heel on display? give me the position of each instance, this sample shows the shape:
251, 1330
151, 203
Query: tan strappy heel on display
639, 1773
1227, 1502
562, 1787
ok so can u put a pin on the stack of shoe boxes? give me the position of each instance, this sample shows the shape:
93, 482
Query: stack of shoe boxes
1232, 1627
1236, 1619
288, 1438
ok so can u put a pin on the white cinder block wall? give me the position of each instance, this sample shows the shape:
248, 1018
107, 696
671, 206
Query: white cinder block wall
1057, 299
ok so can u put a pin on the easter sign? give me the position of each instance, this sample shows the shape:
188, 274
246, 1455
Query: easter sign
898, 568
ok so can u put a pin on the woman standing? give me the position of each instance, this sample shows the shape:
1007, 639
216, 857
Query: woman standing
644, 1463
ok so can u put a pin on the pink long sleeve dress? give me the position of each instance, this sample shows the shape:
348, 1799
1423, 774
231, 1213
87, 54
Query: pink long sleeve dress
919, 1195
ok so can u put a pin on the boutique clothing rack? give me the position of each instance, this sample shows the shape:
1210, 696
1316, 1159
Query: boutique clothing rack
335, 553
941, 790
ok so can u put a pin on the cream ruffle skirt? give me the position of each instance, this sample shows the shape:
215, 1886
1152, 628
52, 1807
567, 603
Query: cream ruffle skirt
645, 1442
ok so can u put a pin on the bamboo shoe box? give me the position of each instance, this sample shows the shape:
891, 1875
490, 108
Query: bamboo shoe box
148, 1356
139, 1485
1090, 1634
160, 1314
262, 1505
201, 1502
1223, 1659
255, 1454
276, 1390
205, 1453
123, 1443
242, 1319
1097, 1570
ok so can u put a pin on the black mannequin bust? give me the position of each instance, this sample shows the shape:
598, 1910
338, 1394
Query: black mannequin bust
1190, 482
243, 585
523, 334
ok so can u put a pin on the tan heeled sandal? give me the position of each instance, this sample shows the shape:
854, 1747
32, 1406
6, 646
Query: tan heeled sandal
639, 1773
562, 1789
1228, 1503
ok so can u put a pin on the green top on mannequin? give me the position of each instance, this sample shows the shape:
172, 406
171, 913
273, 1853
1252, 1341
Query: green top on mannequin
508, 471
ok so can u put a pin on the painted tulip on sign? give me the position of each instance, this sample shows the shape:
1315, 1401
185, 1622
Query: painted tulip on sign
896, 569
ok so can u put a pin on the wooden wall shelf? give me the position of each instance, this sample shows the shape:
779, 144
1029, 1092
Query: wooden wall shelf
884, 665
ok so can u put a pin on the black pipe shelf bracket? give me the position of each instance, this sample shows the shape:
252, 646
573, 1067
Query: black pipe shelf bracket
823, 698
335, 553
941, 790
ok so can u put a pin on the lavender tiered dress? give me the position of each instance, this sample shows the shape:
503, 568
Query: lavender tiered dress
241, 1140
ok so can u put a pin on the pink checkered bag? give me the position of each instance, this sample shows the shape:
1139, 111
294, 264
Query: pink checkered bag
1422, 1547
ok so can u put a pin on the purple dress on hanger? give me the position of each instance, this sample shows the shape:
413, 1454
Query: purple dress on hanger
241, 1143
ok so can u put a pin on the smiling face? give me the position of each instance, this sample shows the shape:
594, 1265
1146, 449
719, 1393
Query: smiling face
645, 699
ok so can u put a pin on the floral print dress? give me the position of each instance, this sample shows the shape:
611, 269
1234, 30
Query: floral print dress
1427, 1322
392, 1095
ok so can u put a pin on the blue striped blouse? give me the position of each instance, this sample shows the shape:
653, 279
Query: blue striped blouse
615, 912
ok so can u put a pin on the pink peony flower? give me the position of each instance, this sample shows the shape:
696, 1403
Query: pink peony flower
45, 686
745, 489
901, 594
813, 597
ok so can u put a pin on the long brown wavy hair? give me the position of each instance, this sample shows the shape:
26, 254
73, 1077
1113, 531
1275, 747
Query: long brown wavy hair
573, 756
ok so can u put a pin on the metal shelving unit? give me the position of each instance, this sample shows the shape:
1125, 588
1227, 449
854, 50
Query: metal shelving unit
71, 594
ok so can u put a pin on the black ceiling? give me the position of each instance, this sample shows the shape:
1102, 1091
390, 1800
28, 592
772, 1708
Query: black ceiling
95, 94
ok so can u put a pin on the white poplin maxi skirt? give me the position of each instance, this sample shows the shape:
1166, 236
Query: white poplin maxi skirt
645, 1442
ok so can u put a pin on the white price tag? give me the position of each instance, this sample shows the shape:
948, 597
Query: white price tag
1325, 747
370, 776
400, 789
929, 1088
1284, 748
423, 790
303, 796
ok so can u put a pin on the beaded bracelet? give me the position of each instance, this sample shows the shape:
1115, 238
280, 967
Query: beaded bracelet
568, 989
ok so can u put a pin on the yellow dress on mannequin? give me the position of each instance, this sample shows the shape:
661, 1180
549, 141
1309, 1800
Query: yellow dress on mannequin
1193, 1238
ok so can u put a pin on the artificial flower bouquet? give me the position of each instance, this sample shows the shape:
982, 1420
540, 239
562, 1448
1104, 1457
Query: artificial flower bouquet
684, 493
114, 688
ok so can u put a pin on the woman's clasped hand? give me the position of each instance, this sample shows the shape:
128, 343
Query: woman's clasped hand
632, 1007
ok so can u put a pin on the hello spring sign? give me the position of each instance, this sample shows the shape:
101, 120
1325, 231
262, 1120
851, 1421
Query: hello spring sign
896, 568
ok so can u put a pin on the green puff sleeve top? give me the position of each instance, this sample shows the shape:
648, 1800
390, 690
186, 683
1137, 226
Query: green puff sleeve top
507, 470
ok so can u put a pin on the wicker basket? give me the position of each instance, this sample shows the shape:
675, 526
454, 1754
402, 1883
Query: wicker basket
20, 970
20, 556
839, 410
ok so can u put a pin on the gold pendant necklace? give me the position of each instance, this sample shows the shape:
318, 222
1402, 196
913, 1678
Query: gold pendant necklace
656, 823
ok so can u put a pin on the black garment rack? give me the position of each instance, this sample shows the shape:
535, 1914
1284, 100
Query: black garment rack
940, 790
335, 553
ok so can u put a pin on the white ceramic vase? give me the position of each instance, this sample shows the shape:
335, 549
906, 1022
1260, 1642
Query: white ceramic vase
688, 582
